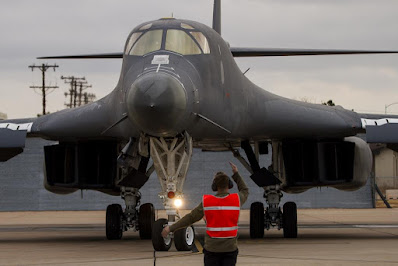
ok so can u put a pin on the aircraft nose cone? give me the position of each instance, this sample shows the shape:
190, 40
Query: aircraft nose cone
156, 103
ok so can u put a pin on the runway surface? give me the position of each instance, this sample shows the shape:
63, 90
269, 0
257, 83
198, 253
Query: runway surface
327, 237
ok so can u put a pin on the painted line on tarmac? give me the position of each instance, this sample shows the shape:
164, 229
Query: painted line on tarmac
317, 260
49, 228
101, 228
198, 248
198, 244
320, 226
377, 226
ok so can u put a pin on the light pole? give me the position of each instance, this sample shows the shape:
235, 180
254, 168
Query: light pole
388, 105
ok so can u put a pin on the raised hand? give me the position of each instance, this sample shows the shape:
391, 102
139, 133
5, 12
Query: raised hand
234, 168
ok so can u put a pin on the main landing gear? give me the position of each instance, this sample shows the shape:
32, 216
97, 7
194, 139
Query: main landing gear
139, 219
133, 162
171, 159
272, 216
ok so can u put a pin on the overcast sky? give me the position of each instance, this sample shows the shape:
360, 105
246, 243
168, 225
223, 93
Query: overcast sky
366, 83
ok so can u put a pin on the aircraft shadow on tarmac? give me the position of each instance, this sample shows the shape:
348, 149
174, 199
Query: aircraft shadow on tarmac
93, 234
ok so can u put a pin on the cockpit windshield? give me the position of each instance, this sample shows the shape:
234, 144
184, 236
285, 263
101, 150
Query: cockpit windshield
202, 41
180, 42
149, 42
186, 41
134, 37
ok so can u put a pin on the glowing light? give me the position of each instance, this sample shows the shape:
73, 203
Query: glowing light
178, 203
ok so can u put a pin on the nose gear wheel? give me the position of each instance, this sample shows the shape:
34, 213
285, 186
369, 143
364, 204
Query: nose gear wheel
184, 238
159, 243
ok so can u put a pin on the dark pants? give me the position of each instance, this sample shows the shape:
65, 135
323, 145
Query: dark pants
220, 258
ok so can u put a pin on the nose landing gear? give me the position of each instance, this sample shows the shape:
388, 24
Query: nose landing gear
160, 243
171, 158
184, 238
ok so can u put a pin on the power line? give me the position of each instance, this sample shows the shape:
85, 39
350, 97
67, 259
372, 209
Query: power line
44, 89
89, 97
73, 81
81, 94
76, 92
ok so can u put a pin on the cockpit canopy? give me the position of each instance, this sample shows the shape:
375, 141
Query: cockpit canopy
185, 40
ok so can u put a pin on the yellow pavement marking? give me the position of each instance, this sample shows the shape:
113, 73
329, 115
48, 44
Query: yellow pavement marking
198, 246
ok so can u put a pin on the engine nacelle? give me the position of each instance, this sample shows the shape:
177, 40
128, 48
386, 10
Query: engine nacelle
82, 165
301, 165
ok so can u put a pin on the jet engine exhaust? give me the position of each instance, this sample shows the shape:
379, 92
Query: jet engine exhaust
156, 103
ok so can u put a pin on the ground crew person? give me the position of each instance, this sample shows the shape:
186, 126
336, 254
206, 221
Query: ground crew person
221, 213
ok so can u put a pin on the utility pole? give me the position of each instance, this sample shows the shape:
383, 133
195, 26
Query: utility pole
72, 80
89, 97
82, 87
78, 92
69, 105
44, 89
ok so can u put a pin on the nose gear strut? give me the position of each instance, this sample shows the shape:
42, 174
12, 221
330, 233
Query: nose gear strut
171, 158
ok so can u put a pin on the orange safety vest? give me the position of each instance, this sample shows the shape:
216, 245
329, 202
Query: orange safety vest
221, 215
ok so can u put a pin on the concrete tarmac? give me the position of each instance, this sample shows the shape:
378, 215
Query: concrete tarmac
326, 236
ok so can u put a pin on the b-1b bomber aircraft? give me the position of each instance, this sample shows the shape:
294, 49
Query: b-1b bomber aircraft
180, 88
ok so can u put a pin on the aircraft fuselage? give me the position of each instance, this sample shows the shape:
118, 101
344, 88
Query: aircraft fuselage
166, 89
166, 93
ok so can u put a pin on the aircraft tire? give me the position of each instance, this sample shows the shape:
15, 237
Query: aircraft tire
257, 220
159, 243
289, 217
184, 238
114, 228
146, 219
